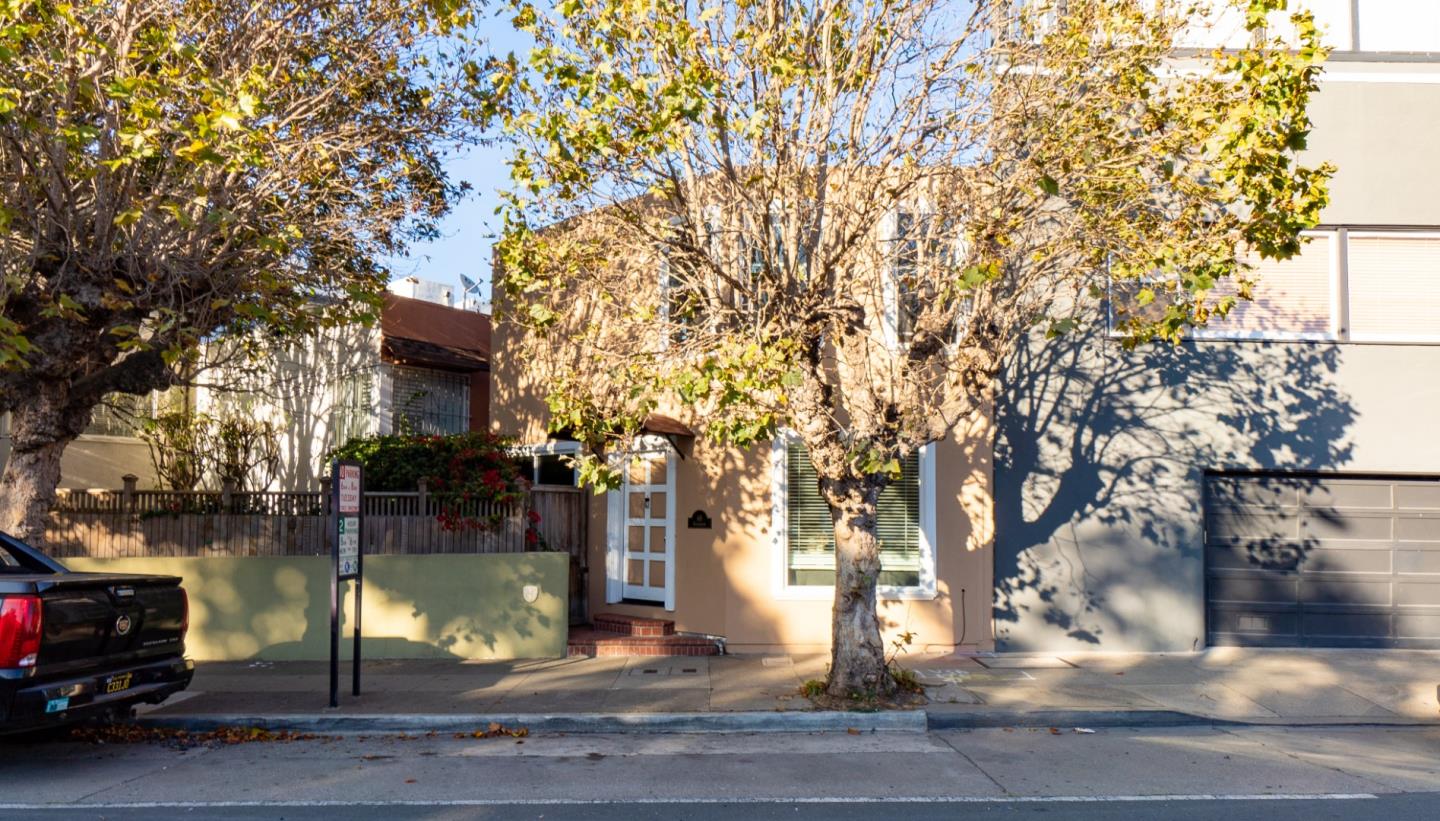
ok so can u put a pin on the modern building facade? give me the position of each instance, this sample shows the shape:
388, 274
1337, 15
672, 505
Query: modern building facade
1275, 480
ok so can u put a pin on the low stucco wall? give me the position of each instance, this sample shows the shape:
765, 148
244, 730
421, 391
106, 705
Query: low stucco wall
470, 607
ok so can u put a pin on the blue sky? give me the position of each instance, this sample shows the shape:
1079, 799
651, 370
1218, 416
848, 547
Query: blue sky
468, 232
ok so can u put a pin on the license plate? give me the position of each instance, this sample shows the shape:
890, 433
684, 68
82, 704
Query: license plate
116, 684
57, 705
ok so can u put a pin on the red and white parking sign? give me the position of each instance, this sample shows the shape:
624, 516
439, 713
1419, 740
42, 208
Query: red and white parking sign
349, 489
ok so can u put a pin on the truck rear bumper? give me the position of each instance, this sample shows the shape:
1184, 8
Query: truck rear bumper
57, 702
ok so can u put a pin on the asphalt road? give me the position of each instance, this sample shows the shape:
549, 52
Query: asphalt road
1180, 773
1381, 808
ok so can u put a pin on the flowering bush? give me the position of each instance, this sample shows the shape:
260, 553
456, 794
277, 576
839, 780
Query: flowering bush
472, 476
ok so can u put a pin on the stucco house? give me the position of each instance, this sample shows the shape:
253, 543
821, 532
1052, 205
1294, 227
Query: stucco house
424, 367
1275, 480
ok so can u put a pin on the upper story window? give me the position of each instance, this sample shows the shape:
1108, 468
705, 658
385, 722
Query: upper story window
1346, 285
1404, 26
1395, 25
924, 251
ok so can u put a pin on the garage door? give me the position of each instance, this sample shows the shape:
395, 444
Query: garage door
1322, 561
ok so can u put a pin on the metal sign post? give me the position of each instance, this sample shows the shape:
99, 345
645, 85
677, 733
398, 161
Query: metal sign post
348, 488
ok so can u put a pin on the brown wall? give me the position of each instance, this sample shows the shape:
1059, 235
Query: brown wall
480, 400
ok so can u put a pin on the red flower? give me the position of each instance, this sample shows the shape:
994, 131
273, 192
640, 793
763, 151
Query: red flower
534, 517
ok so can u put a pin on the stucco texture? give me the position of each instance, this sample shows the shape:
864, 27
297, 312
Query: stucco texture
726, 576
468, 607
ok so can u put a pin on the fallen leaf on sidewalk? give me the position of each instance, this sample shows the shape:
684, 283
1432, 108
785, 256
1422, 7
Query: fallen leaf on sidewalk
852, 731
184, 739
1054, 731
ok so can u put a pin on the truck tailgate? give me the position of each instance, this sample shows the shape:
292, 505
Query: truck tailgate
101, 621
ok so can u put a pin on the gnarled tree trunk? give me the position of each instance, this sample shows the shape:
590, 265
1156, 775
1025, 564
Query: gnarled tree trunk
42, 424
857, 654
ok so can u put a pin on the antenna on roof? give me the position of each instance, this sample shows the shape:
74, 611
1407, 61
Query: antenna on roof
470, 297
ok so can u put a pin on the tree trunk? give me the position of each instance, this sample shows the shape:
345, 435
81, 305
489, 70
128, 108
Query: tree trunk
857, 655
41, 426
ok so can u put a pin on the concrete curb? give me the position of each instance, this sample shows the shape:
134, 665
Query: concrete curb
1140, 719
904, 721
907, 721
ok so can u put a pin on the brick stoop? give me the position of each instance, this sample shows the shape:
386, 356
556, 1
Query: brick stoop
614, 634
633, 625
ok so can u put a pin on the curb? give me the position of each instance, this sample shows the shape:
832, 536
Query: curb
907, 721
989, 719
1141, 719
816, 721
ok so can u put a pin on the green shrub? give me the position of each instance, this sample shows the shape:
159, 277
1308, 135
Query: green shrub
461, 471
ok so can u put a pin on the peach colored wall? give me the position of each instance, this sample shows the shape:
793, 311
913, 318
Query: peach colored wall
725, 576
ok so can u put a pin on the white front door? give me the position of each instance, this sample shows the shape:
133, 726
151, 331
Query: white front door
642, 532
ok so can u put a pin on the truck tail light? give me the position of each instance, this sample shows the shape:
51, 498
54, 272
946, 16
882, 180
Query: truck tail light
20, 630
184, 613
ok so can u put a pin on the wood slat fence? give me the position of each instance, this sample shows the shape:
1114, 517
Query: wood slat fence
132, 523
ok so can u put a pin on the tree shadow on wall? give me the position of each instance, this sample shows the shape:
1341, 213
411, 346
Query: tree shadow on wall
1099, 480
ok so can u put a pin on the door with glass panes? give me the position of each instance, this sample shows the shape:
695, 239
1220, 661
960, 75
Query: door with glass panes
646, 566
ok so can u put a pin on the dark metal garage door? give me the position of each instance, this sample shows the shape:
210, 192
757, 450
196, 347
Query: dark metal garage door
1322, 561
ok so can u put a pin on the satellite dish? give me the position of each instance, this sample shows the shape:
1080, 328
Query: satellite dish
467, 284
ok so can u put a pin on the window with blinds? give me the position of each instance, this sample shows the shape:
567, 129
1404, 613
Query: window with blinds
353, 408
1394, 287
1291, 298
810, 552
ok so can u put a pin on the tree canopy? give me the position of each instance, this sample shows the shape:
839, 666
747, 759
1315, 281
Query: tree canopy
171, 170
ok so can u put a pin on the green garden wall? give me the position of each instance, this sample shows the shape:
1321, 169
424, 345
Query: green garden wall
452, 606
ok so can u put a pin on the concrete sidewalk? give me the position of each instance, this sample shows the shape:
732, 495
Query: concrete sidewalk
1281, 687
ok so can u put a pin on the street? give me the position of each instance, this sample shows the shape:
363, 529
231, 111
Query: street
1175, 773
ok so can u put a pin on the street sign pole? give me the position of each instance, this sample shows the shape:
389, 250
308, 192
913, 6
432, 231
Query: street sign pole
347, 486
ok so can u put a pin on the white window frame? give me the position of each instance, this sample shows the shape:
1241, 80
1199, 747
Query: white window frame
781, 588
1336, 285
890, 288
554, 447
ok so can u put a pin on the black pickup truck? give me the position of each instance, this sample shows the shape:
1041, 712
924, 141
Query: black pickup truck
84, 645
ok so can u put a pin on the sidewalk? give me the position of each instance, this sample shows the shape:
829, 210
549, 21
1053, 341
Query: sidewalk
1282, 687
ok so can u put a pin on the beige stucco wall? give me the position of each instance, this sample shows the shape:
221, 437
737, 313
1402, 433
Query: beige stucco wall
296, 389
94, 461
725, 577
470, 607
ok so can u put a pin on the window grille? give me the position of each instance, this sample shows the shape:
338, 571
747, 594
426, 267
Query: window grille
431, 402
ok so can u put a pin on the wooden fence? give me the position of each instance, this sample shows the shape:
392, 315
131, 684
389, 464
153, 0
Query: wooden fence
136, 523
130, 523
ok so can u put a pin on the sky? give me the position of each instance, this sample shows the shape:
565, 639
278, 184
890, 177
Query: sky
467, 233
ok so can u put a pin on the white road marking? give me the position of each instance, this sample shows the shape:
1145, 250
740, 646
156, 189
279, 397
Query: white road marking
508, 802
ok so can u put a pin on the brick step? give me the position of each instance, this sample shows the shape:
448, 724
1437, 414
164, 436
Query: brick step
588, 642
633, 625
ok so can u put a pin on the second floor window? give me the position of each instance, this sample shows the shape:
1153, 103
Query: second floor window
1346, 285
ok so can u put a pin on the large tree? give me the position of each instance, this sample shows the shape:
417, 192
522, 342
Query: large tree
838, 217
171, 170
